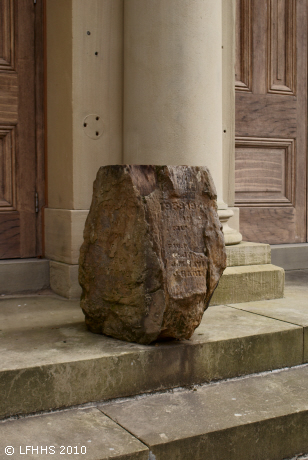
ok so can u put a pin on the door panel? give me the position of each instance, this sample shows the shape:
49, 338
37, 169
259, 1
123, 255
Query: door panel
18, 156
281, 50
271, 120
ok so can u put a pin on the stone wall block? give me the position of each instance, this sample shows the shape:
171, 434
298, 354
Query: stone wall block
153, 252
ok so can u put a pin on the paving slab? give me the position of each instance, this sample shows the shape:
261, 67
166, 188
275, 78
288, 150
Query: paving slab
256, 418
293, 308
81, 433
68, 365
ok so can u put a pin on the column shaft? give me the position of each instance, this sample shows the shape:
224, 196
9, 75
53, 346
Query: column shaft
173, 83
173, 88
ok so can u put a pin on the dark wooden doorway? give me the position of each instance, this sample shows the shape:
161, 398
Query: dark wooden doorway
271, 120
21, 128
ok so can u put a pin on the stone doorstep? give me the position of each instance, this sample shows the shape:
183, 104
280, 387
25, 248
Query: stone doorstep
249, 283
68, 365
246, 253
32, 275
23, 275
257, 417
243, 283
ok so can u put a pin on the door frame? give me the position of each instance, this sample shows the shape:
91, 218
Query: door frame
40, 121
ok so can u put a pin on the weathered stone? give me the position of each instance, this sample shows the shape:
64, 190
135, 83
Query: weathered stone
63, 352
153, 252
238, 284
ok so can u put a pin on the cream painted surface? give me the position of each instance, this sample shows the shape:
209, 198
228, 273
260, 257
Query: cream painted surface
81, 83
228, 104
84, 82
64, 234
97, 89
172, 83
173, 105
173, 98
59, 103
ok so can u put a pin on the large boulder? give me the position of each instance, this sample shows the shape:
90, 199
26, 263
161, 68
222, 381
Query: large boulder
153, 252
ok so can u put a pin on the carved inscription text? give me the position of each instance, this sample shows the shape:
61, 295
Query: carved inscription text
185, 260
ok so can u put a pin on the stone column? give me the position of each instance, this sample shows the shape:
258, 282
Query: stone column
84, 121
173, 88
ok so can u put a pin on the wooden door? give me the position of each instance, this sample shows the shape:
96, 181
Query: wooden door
271, 120
21, 128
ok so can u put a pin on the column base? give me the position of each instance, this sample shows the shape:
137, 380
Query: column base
232, 236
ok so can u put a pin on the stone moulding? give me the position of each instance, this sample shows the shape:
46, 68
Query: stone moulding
153, 252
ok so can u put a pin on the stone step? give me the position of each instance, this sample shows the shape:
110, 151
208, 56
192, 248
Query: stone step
248, 283
31, 275
49, 360
64, 278
23, 275
82, 433
257, 417
246, 253
239, 283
